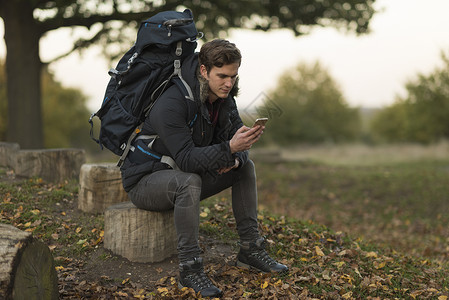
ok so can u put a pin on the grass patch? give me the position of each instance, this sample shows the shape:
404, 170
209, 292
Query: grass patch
49, 212
347, 231
328, 265
399, 205
220, 226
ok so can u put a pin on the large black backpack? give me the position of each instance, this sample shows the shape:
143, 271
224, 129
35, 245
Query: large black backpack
142, 74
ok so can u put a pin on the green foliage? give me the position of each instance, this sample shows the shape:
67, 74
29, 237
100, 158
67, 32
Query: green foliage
390, 123
65, 115
423, 115
312, 107
114, 19
64, 112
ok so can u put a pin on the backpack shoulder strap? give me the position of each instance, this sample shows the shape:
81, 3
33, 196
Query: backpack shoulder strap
177, 73
184, 87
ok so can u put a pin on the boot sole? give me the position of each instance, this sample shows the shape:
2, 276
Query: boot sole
249, 267
180, 286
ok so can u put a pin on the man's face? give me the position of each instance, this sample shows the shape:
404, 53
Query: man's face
221, 80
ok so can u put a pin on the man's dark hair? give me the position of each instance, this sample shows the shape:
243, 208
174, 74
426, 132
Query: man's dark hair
218, 53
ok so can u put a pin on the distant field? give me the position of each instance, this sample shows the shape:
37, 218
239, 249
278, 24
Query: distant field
359, 154
394, 196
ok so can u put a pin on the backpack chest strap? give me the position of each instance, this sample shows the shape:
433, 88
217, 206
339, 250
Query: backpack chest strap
164, 158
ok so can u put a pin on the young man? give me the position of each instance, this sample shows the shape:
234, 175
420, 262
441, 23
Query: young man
208, 148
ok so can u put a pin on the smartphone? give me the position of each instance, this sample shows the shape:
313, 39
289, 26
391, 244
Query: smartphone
260, 121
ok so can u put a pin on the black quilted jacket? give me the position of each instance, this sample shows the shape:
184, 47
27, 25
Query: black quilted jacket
186, 133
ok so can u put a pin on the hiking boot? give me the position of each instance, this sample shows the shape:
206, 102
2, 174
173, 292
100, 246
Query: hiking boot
191, 275
252, 255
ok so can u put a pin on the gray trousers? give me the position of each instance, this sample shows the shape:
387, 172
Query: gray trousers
181, 191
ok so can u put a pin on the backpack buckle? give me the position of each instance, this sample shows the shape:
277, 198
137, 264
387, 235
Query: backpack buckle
178, 48
177, 64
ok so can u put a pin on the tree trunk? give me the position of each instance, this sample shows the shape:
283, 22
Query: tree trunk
27, 268
100, 187
52, 165
23, 69
139, 235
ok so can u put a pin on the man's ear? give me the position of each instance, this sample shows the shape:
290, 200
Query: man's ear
203, 71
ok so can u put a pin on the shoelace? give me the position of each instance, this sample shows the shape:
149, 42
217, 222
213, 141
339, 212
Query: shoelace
200, 279
264, 257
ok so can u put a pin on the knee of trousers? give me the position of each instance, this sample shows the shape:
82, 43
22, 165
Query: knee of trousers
248, 169
250, 165
188, 189
192, 180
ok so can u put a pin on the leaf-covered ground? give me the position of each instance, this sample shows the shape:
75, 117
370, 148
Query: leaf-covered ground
323, 264
403, 206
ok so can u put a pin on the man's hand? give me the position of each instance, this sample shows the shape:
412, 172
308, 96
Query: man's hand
245, 137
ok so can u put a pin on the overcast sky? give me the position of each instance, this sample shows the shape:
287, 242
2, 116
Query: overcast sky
406, 39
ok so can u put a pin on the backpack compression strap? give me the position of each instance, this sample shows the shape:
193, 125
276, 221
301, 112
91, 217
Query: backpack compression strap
128, 145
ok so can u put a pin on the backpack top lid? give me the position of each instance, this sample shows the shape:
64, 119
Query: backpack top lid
166, 28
